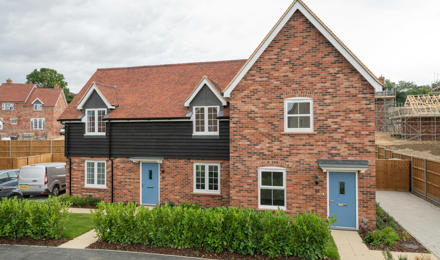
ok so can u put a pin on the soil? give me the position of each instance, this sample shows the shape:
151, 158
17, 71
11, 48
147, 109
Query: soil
33, 242
428, 150
191, 252
398, 245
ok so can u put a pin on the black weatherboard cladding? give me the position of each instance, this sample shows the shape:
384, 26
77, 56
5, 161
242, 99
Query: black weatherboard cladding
168, 139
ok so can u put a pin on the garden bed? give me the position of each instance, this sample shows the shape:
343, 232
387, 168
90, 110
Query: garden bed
384, 220
189, 252
33, 242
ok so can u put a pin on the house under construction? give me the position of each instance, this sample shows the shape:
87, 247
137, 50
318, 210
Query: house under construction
418, 119
385, 100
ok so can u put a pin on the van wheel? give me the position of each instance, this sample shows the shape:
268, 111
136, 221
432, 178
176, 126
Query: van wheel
56, 191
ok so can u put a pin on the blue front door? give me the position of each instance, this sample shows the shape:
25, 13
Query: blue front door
150, 183
342, 204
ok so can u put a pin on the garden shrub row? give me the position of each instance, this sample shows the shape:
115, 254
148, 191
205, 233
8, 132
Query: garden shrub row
33, 219
243, 231
80, 202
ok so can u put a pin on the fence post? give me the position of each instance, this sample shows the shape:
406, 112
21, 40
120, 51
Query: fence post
426, 178
30, 147
10, 148
51, 145
410, 173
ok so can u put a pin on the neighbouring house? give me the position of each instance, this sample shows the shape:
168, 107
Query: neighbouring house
290, 128
28, 112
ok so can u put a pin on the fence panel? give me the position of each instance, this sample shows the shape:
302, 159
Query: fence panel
418, 177
40, 147
5, 163
433, 180
56, 157
20, 148
393, 175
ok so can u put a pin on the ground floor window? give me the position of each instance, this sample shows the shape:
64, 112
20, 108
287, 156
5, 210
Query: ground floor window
37, 123
207, 178
95, 174
272, 188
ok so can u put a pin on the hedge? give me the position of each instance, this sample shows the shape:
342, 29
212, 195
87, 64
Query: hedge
243, 231
81, 202
34, 219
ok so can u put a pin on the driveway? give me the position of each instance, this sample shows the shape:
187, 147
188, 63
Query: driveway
419, 217
36, 252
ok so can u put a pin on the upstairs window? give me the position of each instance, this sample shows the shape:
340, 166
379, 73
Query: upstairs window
205, 120
95, 124
37, 123
13, 120
38, 107
7, 106
298, 115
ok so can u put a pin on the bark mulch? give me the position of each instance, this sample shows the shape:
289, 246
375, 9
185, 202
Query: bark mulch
33, 242
191, 252
398, 245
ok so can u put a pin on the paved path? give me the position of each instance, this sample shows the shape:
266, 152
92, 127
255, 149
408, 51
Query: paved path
350, 246
82, 241
419, 217
36, 252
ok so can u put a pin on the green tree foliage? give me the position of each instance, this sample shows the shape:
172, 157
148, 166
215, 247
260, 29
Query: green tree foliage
48, 78
405, 88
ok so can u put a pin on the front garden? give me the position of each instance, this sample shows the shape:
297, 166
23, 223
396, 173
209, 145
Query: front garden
45, 223
389, 235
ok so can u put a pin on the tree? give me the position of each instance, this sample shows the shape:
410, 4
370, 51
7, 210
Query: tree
48, 78
405, 88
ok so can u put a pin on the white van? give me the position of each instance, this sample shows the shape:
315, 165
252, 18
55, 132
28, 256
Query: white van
42, 178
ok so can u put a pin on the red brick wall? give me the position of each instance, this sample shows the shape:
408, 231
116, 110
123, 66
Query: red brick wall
25, 113
300, 62
176, 182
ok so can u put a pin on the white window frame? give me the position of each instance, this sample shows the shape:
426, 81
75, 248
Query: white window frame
96, 121
260, 186
298, 100
7, 103
95, 174
206, 190
206, 132
38, 106
10, 120
43, 123
1, 124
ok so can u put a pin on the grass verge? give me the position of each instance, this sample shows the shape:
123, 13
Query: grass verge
76, 224
331, 250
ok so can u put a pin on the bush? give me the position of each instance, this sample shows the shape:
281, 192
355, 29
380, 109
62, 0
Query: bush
243, 231
80, 202
387, 236
34, 219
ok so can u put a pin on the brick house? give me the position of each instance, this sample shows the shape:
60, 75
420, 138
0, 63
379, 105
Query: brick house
290, 128
29, 112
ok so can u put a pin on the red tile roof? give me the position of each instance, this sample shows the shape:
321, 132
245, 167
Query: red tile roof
13, 92
154, 91
48, 96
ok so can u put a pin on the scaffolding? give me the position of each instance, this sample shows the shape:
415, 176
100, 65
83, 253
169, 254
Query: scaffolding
418, 119
383, 102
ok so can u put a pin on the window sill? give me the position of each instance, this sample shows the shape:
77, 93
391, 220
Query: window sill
96, 187
271, 208
298, 133
207, 194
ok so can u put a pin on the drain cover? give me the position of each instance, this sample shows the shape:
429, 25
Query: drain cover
411, 246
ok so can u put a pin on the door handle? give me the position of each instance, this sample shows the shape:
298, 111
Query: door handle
150, 187
342, 204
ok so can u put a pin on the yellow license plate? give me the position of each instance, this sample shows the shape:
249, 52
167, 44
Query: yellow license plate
24, 187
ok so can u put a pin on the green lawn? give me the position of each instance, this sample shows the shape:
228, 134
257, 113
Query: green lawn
332, 250
76, 224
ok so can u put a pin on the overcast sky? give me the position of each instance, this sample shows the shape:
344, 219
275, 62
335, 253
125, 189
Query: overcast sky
397, 38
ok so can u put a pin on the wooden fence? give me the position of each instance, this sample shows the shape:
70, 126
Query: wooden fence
18, 162
21, 148
424, 174
393, 175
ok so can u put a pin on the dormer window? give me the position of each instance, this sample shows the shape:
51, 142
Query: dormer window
205, 120
95, 124
38, 107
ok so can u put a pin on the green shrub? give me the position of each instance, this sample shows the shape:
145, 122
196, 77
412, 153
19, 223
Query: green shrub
34, 219
387, 236
82, 202
238, 230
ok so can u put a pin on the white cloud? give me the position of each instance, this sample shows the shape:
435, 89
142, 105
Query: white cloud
393, 38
